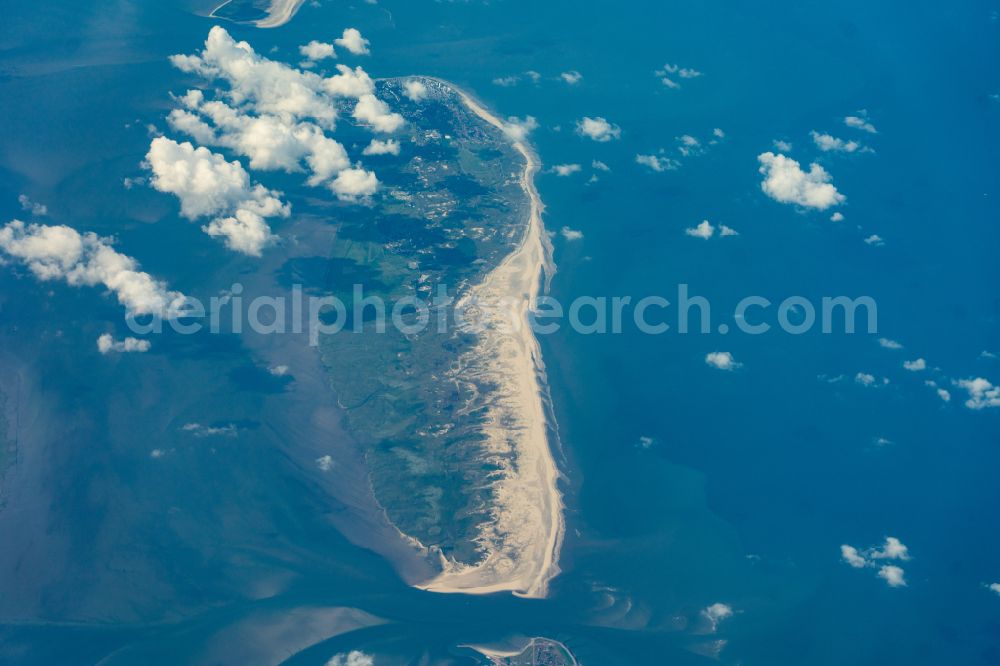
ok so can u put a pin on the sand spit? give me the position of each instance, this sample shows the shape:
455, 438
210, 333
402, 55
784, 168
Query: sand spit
279, 13
522, 540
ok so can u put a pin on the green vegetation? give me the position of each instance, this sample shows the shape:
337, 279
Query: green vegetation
453, 211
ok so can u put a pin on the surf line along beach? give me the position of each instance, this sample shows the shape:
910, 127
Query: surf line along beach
522, 540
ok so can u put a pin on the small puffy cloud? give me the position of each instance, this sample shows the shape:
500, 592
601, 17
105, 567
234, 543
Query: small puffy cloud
706, 230
683, 72
33, 207
982, 393
375, 113
378, 147
566, 169
598, 129
200, 430
828, 143
244, 231
517, 130
703, 230
944, 394
670, 73
324, 463
689, 145
506, 81
916, 365
278, 370
865, 379
851, 555
892, 549
571, 234
721, 361
315, 50
892, 575
350, 83
786, 182
782, 146
353, 42
354, 184
875, 240
533, 75
107, 344
995, 587
62, 253
415, 91
658, 163
598, 165
353, 658
886, 343
572, 77
987, 354
860, 122
715, 614
837, 217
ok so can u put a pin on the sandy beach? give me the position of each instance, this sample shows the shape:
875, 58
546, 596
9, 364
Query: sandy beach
279, 13
523, 539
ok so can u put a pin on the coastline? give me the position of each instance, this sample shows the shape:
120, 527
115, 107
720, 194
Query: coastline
524, 539
279, 13
498, 655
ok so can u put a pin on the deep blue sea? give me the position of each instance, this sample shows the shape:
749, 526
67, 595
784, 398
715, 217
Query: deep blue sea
686, 485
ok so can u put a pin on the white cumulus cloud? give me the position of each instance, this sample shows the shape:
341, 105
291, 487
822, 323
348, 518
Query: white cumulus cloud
353, 42
33, 207
354, 184
722, 361
598, 129
572, 77
352, 658
982, 393
915, 365
860, 122
379, 147
566, 169
828, 143
315, 50
851, 555
658, 163
517, 129
892, 575
375, 113
207, 184
107, 344
715, 614
786, 182
415, 90
59, 252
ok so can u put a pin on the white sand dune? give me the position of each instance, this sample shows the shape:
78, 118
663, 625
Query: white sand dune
522, 541
279, 13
